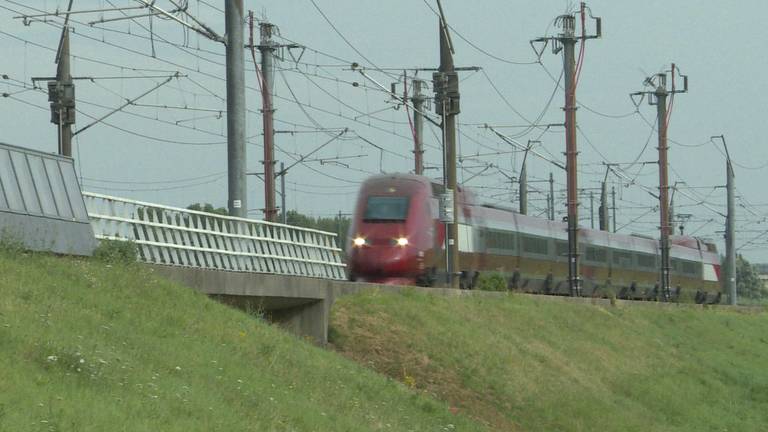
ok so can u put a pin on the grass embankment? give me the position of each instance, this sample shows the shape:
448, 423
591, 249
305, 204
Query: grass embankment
522, 363
88, 346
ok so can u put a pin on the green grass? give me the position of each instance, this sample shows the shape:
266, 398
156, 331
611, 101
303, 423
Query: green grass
522, 363
89, 345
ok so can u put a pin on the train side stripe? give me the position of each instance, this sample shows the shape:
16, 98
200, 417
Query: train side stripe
466, 238
709, 273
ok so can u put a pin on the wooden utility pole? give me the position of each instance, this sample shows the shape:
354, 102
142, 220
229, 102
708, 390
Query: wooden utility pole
61, 94
283, 208
418, 127
730, 235
566, 41
613, 207
446, 86
524, 189
551, 197
658, 96
267, 49
524, 178
270, 50
603, 209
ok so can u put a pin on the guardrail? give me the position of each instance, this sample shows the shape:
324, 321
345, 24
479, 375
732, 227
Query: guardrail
176, 236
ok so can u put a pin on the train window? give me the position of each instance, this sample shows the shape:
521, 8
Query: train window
491, 239
690, 268
535, 245
386, 208
502, 240
561, 248
647, 261
623, 259
596, 254
675, 265
437, 189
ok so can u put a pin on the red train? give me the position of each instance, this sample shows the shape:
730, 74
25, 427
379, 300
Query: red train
396, 237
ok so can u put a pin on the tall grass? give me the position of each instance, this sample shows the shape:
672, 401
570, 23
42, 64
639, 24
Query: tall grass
90, 345
523, 363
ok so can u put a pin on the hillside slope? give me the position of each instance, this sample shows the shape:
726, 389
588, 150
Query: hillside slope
89, 346
523, 363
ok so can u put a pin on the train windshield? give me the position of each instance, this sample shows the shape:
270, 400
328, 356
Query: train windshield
386, 208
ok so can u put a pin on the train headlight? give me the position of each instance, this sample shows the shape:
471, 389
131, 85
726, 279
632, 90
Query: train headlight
402, 241
358, 241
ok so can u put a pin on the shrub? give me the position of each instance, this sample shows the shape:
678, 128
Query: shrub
114, 251
491, 282
11, 243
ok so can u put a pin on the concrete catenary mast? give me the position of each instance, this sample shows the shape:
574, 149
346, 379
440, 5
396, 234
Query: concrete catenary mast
730, 229
236, 179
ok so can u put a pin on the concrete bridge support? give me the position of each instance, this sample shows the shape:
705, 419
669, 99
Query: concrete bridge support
300, 305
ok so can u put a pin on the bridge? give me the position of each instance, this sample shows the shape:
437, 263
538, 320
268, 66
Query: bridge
288, 274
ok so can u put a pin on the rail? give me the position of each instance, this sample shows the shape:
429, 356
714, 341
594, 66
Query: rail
175, 236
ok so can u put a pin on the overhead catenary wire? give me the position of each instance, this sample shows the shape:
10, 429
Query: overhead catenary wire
154, 189
477, 47
207, 74
322, 118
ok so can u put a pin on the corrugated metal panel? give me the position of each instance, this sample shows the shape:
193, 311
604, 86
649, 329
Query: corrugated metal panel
40, 184
41, 203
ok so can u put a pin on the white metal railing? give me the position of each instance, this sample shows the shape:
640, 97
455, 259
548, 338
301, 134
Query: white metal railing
176, 236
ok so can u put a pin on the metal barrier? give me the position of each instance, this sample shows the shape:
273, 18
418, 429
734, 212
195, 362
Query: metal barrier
176, 236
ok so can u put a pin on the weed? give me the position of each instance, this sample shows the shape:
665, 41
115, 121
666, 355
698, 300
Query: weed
116, 251
10, 243
492, 282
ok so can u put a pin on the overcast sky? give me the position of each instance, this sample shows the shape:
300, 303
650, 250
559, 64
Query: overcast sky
153, 151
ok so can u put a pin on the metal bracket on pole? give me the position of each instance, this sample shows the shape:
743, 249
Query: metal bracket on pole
127, 103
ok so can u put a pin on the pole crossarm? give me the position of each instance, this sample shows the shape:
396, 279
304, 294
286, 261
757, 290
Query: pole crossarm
202, 29
395, 96
127, 103
28, 19
523, 147
356, 66
304, 158
557, 40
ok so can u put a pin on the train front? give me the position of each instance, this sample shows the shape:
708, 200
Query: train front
392, 230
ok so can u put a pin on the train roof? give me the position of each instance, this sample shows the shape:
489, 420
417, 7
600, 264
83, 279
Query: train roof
497, 217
